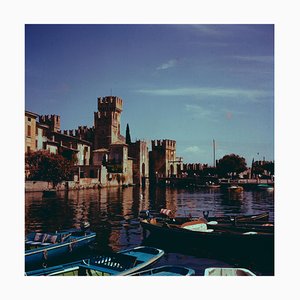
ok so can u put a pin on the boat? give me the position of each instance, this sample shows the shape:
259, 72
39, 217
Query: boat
242, 227
266, 187
168, 216
167, 270
244, 242
235, 188
228, 272
122, 263
212, 185
237, 218
49, 193
44, 248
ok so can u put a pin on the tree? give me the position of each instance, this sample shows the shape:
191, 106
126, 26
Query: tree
46, 166
128, 138
257, 170
231, 164
269, 167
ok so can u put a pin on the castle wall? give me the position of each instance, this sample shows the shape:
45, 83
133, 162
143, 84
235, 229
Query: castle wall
53, 121
163, 158
139, 152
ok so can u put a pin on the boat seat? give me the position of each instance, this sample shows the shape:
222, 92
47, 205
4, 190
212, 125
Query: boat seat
65, 237
212, 223
49, 240
114, 261
38, 239
196, 226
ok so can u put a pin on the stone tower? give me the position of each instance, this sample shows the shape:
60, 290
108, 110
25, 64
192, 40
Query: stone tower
107, 122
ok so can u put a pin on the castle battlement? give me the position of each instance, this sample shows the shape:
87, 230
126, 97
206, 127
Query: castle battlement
163, 144
53, 121
49, 118
110, 103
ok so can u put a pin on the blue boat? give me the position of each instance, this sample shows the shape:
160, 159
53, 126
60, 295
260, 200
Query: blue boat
168, 270
44, 248
121, 263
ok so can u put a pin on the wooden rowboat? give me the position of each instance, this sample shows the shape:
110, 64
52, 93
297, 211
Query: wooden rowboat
168, 270
228, 272
121, 263
168, 216
240, 244
44, 248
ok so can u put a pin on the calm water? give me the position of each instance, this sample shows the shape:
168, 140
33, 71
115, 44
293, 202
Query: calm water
113, 215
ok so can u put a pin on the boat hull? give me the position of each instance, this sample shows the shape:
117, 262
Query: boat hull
257, 218
42, 256
168, 270
104, 265
228, 272
258, 247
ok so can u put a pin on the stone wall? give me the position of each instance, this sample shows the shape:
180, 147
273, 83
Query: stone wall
107, 180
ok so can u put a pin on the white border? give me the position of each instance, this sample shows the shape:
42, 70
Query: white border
14, 14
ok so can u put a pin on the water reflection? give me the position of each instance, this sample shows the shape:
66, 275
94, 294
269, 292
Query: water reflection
113, 213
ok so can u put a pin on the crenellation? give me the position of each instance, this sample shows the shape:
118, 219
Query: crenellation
110, 103
53, 121
164, 144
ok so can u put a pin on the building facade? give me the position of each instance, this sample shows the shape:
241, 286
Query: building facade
139, 154
163, 160
100, 152
30, 131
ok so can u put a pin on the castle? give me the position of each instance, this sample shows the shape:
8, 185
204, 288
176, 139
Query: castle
101, 151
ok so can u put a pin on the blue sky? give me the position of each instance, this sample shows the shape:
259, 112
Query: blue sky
189, 83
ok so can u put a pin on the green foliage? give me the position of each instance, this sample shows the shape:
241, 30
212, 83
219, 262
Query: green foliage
265, 169
114, 168
50, 167
269, 167
231, 164
128, 138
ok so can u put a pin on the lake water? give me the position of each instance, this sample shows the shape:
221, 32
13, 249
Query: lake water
113, 215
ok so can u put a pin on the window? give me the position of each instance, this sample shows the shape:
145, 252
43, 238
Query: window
29, 119
28, 130
28, 148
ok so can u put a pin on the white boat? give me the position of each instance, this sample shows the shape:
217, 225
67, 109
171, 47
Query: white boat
228, 272
236, 188
169, 270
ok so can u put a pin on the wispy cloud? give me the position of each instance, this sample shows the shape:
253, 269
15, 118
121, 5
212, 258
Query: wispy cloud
257, 58
234, 93
207, 29
169, 64
192, 149
211, 113
199, 111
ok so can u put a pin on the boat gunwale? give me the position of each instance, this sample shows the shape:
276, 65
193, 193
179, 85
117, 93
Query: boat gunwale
59, 245
189, 270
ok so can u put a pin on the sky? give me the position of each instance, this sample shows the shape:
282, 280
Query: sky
189, 83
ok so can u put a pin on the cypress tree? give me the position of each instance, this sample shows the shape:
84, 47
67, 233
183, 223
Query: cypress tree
128, 138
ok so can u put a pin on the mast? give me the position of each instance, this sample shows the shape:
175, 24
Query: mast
214, 153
